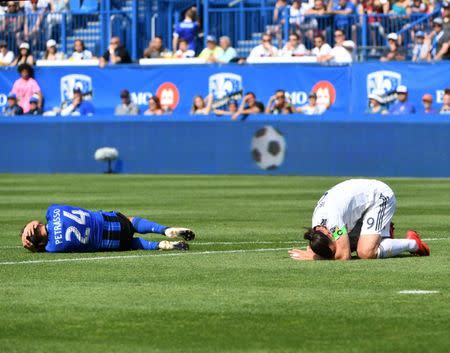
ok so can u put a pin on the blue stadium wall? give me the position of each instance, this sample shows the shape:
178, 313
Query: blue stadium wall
328, 145
344, 141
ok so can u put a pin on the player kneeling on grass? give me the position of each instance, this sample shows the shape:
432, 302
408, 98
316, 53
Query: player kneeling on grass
74, 229
356, 215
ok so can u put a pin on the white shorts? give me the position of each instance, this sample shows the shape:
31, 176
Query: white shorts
377, 218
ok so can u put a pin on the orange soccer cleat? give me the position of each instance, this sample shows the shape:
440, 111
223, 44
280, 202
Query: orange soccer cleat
423, 249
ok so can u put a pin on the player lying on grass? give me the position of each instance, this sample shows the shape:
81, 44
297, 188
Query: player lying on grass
74, 229
356, 215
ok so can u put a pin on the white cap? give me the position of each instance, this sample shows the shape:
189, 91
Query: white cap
377, 95
24, 45
51, 43
402, 89
392, 36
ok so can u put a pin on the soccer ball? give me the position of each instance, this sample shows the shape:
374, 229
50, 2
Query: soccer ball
268, 148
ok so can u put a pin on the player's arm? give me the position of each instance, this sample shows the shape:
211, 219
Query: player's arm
28, 232
342, 243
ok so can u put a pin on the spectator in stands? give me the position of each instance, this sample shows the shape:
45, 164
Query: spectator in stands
80, 52
321, 48
183, 51
312, 108
375, 9
318, 9
343, 11
6, 56
249, 105
400, 8
12, 26
116, 54
376, 104
40, 4
421, 49
24, 56
293, 47
446, 16
201, 106
154, 106
212, 52
278, 20
229, 54
394, 52
265, 49
341, 52
55, 17
32, 24
418, 7
445, 109
127, 106
278, 104
401, 105
34, 106
78, 105
232, 108
25, 87
12, 108
51, 53
427, 102
297, 12
440, 41
155, 49
187, 30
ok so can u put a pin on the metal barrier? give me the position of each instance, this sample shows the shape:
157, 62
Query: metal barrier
93, 28
369, 32
136, 22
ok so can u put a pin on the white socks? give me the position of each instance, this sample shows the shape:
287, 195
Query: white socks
393, 247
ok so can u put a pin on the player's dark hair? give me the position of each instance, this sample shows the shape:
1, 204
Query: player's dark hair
319, 243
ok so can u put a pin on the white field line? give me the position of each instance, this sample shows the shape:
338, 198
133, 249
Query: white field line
151, 254
239, 242
418, 292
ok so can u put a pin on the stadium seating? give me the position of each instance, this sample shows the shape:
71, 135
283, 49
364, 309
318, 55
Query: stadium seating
244, 21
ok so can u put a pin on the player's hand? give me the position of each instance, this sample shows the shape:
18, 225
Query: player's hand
28, 232
302, 255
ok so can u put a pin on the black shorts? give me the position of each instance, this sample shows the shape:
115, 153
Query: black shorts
118, 227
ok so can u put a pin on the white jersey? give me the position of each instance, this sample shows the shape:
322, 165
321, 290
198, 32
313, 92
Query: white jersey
370, 201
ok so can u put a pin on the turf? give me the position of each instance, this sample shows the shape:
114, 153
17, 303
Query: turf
236, 290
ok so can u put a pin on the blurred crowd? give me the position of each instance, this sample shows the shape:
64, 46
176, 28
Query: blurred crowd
329, 31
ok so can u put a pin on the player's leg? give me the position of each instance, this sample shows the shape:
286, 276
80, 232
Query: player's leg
144, 226
142, 244
375, 240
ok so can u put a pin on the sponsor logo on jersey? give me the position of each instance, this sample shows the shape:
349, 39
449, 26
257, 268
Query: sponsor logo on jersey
169, 95
224, 87
76, 81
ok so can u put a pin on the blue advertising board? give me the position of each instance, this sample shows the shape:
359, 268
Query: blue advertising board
336, 144
176, 85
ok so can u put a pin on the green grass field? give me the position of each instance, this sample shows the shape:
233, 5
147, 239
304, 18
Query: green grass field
236, 290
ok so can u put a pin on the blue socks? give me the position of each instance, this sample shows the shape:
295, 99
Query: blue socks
144, 226
142, 244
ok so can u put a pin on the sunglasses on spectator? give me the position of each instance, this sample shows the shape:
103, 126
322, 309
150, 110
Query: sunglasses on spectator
338, 35
266, 40
281, 96
114, 42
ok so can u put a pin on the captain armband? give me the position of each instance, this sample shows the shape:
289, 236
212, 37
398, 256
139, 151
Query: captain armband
339, 232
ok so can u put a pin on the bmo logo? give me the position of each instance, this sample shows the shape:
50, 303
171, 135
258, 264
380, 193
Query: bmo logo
168, 95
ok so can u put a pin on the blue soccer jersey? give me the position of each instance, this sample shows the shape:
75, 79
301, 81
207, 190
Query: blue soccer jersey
73, 229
